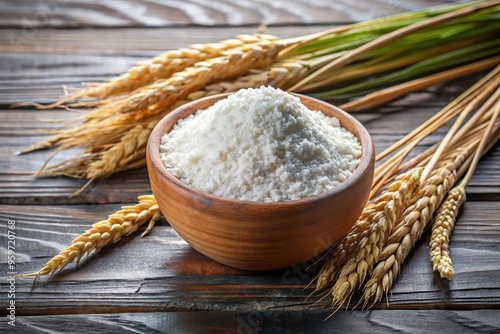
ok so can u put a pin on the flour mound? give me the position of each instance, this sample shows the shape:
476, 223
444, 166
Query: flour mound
260, 145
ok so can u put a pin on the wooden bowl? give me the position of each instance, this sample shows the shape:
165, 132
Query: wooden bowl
260, 235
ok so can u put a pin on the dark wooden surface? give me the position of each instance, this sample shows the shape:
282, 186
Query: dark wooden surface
158, 13
158, 283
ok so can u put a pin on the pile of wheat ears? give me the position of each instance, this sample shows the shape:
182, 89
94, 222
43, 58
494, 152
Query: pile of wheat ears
409, 190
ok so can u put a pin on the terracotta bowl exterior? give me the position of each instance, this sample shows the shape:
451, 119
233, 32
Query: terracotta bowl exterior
258, 235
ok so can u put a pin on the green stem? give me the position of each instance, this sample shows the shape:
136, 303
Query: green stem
394, 36
435, 64
391, 61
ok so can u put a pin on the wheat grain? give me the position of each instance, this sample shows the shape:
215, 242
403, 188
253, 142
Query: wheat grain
390, 205
411, 226
441, 231
123, 222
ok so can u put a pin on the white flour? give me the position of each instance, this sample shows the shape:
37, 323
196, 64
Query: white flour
260, 145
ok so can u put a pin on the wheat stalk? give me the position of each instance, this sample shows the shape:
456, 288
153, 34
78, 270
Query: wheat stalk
386, 95
344, 248
447, 214
411, 226
105, 158
363, 233
279, 75
123, 222
391, 203
93, 133
391, 37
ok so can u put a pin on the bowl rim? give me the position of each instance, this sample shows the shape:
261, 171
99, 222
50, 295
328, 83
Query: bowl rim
154, 160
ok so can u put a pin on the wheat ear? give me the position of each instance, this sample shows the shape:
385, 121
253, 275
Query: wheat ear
111, 230
96, 164
441, 231
391, 203
118, 156
396, 195
410, 227
346, 246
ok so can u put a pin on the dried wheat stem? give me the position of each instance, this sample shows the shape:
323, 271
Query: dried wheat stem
385, 172
424, 157
473, 105
448, 111
441, 231
386, 95
465, 104
469, 139
391, 37
485, 138
411, 226
447, 214
123, 222
392, 202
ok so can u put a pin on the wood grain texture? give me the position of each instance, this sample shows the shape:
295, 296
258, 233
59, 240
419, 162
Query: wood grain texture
33, 14
272, 321
160, 272
158, 283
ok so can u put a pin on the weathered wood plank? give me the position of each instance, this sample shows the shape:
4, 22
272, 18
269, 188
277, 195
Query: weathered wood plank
161, 272
139, 42
376, 321
32, 14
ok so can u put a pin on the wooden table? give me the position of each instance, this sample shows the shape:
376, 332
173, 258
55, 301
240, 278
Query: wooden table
158, 283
